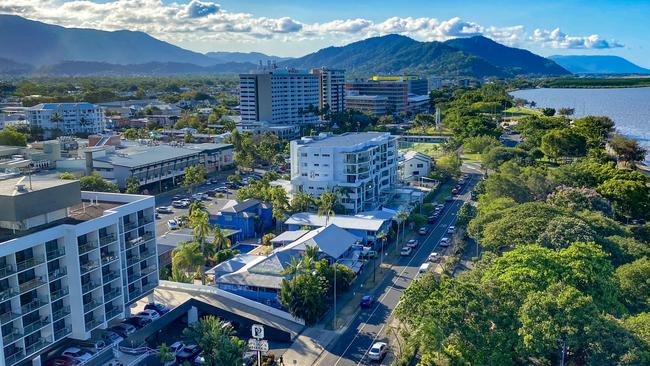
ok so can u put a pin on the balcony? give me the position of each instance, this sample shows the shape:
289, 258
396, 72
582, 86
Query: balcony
31, 284
14, 357
105, 240
113, 313
108, 258
7, 294
29, 263
91, 305
146, 253
57, 273
112, 294
148, 270
149, 287
85, 248
33, 305
131, 260
35, 347
94, 323
60, 333
145, 221
110, 276
88, 266
7, 270
8, 316
89, 286
60, 313
56, 253
134, 293
130, 226
34, 326
11, 337
57, 294
139, 240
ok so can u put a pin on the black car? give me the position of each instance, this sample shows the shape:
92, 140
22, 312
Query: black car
188, 353
211, 193
159, 308
432, 219
138, 322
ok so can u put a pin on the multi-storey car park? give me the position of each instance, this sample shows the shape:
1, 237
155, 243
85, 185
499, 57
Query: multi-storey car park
70, 262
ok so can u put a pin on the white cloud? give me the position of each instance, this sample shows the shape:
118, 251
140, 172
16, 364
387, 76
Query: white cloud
204, 21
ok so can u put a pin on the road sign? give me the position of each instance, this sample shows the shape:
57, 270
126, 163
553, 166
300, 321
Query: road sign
258, 331
258, 345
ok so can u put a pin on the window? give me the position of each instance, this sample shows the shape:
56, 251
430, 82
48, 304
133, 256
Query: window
420, 165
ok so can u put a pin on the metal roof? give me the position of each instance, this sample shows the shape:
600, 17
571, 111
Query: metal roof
342, 221
152, 155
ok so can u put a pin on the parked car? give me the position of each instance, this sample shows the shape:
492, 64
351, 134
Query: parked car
444, 242
93, 344
449, 199
176, 347
111, 337
172, 224
461, 181
378, 351
406, 251
440, 206
199, 360
432, 219
124, 329
148, 314
78, 354
366, 302
424, 267
423, 231
465, 176
413, 243
159, 308
455, 191
188, 353
211, 193
138, 322
222, 189
179, 204
433, 257
164, 210
62, 361
451, 229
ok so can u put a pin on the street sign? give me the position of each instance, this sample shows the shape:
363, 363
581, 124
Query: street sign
258, 345
258, 331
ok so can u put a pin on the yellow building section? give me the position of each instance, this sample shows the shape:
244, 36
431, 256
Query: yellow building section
393, 78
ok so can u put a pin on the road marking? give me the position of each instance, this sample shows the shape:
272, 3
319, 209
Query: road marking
392, 287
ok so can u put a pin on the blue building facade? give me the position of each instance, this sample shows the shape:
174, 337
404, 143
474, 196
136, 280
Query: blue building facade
250, 217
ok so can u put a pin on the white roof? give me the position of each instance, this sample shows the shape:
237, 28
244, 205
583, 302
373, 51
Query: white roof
331, 240
342, 221
289, 236
408, 155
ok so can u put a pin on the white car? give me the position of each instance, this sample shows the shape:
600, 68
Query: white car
406, 251
423, 231
176, 347
412, 243
451, 229
148, 314
378, 351
80, 355
172, 224
432, 257
444, 242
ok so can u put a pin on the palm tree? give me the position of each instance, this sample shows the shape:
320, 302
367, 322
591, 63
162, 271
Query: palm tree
219, 238
301, 202
201, 229
187, 257
401, 217
218, 341
196, 205
56, 117
326, 203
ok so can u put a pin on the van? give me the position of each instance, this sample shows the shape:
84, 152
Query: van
424, 268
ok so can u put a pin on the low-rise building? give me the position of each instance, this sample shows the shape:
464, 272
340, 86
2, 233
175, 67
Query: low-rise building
248, 217
70, 262
414, 165
376, 105
364, 226
283, 132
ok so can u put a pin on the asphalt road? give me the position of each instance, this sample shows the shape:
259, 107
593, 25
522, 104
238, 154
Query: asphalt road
351, 348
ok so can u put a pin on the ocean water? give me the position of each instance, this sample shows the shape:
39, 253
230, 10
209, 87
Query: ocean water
629, 108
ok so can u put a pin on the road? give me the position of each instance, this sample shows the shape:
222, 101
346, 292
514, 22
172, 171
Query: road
351, 348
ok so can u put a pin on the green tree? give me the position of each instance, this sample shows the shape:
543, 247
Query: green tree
96, 183
187, 258
219, 239
193, 176
165, 355
301, 202
326, 203
595, 129
627, 150
67, 176
218, 341
634, 281
132, 185
548, 112
629, 198
479, 144
465, 214
11, 137
563, 231
562, 143
566, 111
304, 296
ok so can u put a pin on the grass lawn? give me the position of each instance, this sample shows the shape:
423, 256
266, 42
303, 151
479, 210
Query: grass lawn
434, 150
522, 111
471, 158
429, 131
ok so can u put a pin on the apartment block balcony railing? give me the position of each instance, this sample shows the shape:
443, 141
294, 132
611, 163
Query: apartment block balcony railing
110, 276
85, 248
7, 270
57, 294
8, 316
149, 287
35, 347
57, 273
12, 336
109, 257
29, 263
31, 284
134, 276
89, 286
134, 293
36, 325
131, 260
148, 270
91, 305
113, 313
88, 266
90, 325
146, 220
146, 253
60, 333
130, 226
60, 313
105, 240
112, 294
14, 357
33, 305
56, 253
7, 293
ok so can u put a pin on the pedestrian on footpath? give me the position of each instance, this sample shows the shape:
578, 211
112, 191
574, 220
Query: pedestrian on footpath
281, 360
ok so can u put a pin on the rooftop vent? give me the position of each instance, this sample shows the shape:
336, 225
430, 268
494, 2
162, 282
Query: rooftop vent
21, 188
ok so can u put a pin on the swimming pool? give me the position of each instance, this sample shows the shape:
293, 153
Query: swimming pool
244, 248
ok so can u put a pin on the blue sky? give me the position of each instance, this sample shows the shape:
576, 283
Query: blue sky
294, 28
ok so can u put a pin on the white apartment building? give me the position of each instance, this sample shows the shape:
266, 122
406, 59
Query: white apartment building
70, 262
279, 96
332, 88
70, 118
362, 167
413, 165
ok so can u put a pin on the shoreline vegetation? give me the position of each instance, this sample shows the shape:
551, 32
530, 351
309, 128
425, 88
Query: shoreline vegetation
595, 83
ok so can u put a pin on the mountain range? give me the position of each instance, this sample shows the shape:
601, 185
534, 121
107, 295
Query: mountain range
584, 64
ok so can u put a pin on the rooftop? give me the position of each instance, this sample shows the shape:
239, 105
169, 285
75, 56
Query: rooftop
342, 221
87, 210
8, 187
289, 236
150, 155
350, 139
63, 105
